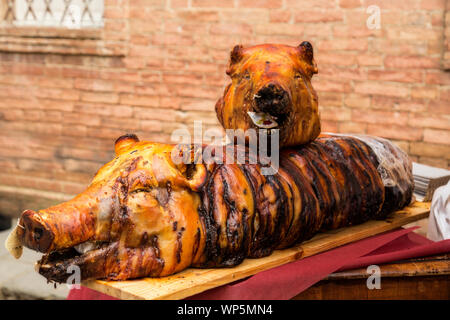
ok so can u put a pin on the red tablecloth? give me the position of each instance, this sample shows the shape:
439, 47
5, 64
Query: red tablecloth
286, 281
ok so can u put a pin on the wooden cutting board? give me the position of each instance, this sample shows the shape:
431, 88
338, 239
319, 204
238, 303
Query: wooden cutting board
193, 281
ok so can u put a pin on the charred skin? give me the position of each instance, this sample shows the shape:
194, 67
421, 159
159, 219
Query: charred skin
275, 80
150, 216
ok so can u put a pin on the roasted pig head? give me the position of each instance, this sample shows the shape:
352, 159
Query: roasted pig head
137, 218
271, 89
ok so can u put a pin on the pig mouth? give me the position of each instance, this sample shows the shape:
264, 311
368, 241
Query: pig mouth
272, 108
269, 120
57, 266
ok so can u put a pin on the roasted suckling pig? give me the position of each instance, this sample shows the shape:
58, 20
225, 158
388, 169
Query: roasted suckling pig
147, 215
271, 89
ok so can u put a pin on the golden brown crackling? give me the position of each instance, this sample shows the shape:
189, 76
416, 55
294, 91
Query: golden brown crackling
153, 217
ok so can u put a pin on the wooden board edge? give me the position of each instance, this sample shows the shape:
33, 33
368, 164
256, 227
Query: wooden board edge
124, 289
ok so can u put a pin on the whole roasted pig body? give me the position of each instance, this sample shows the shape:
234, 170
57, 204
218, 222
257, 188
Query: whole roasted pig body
145, 215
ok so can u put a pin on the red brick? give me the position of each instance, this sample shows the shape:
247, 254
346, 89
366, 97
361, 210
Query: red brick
432, 4
12, 115
335, 113
394, 131
175, 4
217, 4
370, 60
350, 4
434, 162
199, 105
84, 154
411, 105
80, 118
74, 130
115, 13
93, 85
354, 100
127, 124
418, 62
99, 97
438, 106
170, 102
437, 136
105, 133
325, 4
442, 78
352, 127
197, 92
343, 44
332, 73
444, 94
375, 116
71, 165
280, 15
154, 114
313, 30
231, 29
139, 100
183, 78
335, 59
403, 49
348, 31
151, 125
104, 109
279, 29
329, 126
317, 16
387, 4
424, 92
210, 16
430, 150
269, 4
75, 188
332, 86
394, 75
430, 121
383, 89
331, 99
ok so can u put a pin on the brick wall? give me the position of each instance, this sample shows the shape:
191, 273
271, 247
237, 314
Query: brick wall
446, 56
159, 65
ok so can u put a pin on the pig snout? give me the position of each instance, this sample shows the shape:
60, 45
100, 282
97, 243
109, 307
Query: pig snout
272, 99
33, 232
58, 227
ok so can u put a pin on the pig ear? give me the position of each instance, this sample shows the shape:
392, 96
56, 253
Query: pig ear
307, 54
235, 56
125, 142
196, 175
188, 161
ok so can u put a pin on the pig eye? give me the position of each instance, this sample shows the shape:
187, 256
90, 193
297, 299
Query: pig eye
245, 76
142, 189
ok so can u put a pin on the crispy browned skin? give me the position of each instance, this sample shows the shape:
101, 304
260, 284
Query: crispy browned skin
274, 79
152, 217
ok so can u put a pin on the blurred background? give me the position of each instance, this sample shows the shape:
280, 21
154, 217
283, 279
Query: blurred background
75, 75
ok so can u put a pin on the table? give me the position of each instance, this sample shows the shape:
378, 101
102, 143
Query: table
420, 278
